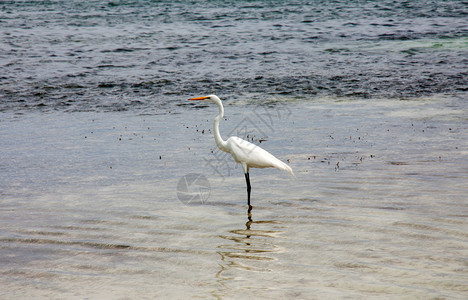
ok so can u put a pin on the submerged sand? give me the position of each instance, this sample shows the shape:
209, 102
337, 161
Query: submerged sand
90, 204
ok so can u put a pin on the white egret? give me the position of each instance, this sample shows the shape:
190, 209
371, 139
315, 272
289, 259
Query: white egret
243, 152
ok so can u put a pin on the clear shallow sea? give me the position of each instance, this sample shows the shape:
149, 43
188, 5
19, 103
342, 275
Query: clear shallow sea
366, 100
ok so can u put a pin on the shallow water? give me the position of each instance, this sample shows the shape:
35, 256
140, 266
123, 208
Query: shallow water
377, 209
111, 185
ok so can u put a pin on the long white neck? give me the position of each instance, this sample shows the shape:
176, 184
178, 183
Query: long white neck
218, 139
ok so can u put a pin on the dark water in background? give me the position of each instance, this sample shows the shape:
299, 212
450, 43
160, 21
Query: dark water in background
147, 55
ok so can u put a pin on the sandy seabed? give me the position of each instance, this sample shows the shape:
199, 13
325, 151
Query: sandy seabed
378, 207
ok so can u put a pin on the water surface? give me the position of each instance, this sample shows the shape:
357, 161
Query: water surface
365, 100
123, 55
377, 209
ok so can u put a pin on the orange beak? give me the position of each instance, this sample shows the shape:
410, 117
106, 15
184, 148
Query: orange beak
199, 98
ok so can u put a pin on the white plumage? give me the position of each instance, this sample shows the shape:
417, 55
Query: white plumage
242, 151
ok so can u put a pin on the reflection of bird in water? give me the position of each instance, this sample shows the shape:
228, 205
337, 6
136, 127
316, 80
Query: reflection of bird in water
249, 217
243, 152
251, 247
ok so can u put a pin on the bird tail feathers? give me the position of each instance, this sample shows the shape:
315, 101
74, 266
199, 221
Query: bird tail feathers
286, 168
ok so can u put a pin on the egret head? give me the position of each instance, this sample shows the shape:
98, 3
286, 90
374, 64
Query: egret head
212, 98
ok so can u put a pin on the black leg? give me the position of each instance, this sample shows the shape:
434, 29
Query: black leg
247, 179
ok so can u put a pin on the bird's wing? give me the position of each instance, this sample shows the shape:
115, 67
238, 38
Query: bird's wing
255, 157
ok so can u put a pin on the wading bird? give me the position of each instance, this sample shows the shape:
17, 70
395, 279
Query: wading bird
243, 152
